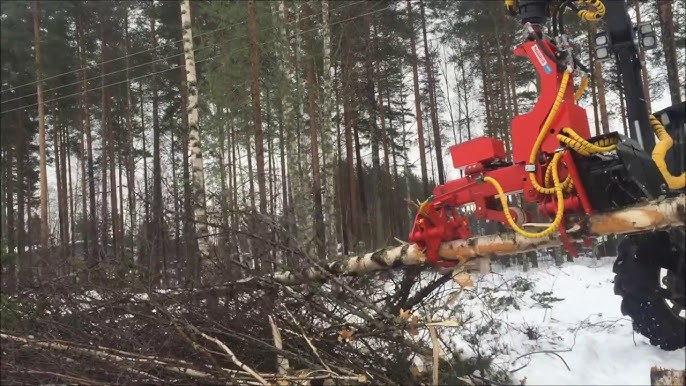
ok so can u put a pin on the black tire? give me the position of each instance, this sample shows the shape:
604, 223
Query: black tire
637, 280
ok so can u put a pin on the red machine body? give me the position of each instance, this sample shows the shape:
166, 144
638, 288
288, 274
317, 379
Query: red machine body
440, 218
479, 150
525, 126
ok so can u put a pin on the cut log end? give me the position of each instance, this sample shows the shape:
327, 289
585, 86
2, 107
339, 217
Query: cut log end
667, 377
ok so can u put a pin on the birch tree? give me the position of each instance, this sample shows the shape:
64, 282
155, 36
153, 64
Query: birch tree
198, 176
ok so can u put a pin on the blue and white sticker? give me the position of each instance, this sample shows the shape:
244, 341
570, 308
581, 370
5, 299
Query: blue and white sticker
542, 60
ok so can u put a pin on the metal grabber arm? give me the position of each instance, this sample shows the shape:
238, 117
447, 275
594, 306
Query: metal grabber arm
541, 165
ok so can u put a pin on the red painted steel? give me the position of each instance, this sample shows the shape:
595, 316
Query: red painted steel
478, 150
440, 217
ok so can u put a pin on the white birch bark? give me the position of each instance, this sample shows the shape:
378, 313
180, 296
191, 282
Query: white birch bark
648, 217
197, 171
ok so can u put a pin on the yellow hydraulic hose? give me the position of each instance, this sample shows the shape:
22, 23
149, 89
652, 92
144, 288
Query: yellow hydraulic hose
567, 184
557, 188
511, 5
582, 88
560, 203
599, 12
578, 141
660, 152
574, 145
542, 133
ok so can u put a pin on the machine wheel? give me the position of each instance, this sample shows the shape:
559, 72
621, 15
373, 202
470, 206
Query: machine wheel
650, 272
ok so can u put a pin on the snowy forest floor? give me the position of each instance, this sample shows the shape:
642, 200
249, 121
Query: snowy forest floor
549, 325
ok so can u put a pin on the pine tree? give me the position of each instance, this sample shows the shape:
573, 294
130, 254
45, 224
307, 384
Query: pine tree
44, 231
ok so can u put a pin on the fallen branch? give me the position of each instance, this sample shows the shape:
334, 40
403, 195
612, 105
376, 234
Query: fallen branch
106, 355
103, 355
66, 377
234, 359
282, 364
309, 342
545, 352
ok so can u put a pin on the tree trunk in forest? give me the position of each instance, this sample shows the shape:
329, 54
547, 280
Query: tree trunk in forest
146, 188
486, 92
58, 181
84, 192
130, 153
63, 187
505, 109
600, 83
251, 171
330, 153
10, 277
120, 220
23, 275
109, 132
429, 144
387, 216
234, 183
417, 105
511, 78
72, 218
44, 231
359, 162
91, 233
270, 152
433, 106
194, 143
224, 180
257, 115
465, 94
447, 94
191, 261
286, 55
376, 185
665, 15
644, 67
60, 177
319, 230
158, 247
104, 137
592, 81
342, 189
353, 217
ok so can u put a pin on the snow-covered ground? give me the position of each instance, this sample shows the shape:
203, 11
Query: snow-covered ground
550, 325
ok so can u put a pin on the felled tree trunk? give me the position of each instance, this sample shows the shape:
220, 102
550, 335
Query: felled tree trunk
651, 216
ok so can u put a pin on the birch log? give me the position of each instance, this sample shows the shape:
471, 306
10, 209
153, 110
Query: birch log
655, 215
198, 175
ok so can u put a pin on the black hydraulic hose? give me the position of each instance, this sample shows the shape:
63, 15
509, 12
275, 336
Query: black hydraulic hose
555, 22
583, 68
560, 19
